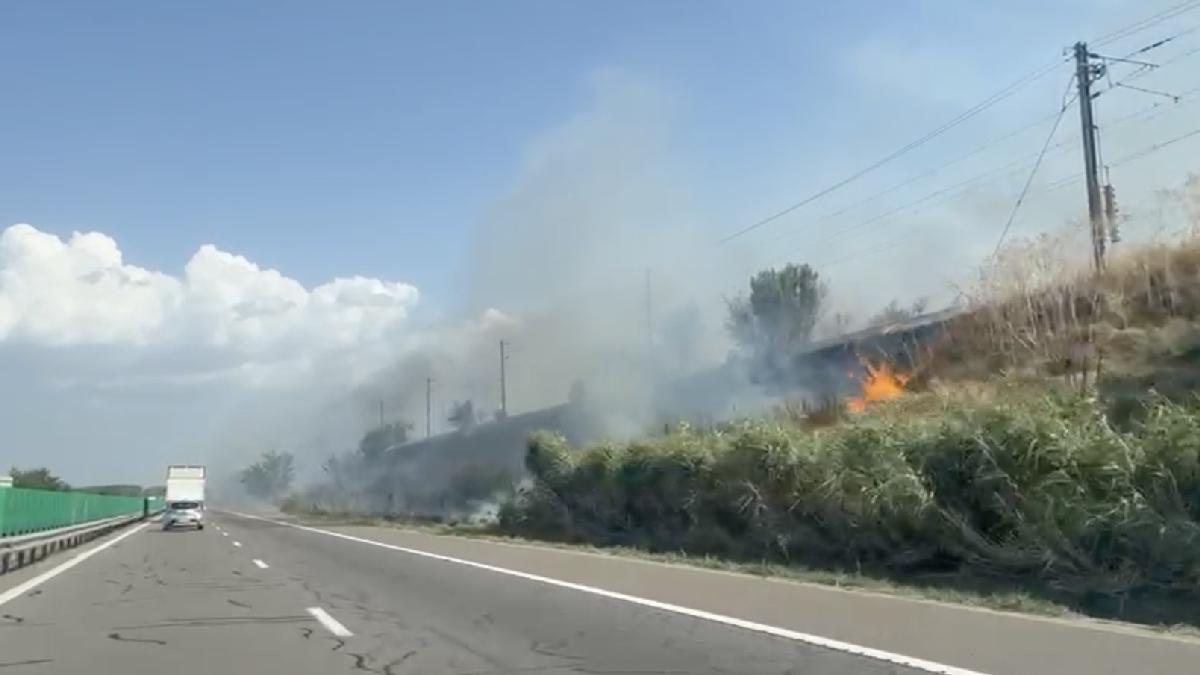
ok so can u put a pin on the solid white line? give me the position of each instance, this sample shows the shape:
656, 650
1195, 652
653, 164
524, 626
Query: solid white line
331, 624
261, 565
817, 640
237, 544
26, 586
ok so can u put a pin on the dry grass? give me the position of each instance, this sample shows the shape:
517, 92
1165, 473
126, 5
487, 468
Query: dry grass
1038, 311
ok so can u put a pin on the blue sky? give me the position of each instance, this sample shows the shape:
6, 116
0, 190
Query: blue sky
499, 155
331, 139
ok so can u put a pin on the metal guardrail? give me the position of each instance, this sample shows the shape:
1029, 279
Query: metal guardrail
17, 552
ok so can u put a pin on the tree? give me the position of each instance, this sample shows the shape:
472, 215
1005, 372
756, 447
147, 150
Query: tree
118, 490
462, 415
895, 313
270, 477
780, 313
37, 479
378, 440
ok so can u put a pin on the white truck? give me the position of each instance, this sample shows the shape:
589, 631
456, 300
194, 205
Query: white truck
185, 496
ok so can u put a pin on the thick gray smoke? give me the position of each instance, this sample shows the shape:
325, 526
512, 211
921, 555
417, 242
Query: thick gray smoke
592, 267
600, 278
602, 281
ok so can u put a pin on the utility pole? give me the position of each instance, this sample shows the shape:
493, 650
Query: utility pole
1085, 73
428, 406
503, 383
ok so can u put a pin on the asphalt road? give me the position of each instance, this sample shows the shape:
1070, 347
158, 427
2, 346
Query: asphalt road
256, 596
191, 602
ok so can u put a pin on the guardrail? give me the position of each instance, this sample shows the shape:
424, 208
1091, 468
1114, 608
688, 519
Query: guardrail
26, 511
17, 552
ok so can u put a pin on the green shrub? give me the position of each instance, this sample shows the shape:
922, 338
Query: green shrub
1018, 487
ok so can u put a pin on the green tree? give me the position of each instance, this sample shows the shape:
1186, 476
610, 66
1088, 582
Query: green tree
37, 479
118, 490
779, 315
271, 476
378, 440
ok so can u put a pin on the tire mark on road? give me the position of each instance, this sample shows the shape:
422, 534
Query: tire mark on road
30, 662
150, 641
387, 670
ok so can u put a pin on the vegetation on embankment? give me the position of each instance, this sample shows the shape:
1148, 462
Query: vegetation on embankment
1029, 489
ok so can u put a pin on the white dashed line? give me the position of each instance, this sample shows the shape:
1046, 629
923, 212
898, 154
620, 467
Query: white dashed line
261, 565
331, 624
224, 534
237, 544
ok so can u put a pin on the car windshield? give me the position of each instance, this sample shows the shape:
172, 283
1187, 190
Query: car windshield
184, 506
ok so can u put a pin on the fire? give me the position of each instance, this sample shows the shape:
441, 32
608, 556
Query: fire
881, 383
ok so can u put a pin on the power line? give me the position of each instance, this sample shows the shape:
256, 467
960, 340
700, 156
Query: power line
1155, 148
1067, 180
1011, 167
1170, 38
1037, 122
962, 117
900, 241
930, 172
958, 192
1029, 181
1139, 26
1136, 27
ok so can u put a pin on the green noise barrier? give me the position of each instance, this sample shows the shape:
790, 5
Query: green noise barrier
25, 511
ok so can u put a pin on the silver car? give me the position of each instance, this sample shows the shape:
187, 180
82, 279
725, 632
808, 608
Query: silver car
183, 514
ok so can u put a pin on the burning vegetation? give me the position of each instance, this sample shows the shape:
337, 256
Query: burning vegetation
880, 383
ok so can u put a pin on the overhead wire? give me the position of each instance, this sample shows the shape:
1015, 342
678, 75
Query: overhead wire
925, 174
1126, 31
1010, 167
896, 243
1137, 27
1036, 165
947, 126
958, 189
1132, 29
1149, 22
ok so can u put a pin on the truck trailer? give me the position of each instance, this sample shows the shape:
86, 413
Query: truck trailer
184, 496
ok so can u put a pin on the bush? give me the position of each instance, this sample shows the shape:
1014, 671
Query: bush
1037, 488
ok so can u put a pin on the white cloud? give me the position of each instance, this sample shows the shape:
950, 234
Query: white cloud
82, 292
77, 291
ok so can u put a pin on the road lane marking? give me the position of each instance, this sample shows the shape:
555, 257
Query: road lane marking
788, 634
261, 565
26, 586
224, 534
237, 544
331, 624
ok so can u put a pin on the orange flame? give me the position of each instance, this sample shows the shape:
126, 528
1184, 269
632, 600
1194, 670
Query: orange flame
881, 383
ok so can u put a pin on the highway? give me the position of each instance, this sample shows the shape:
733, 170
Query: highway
250, 595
